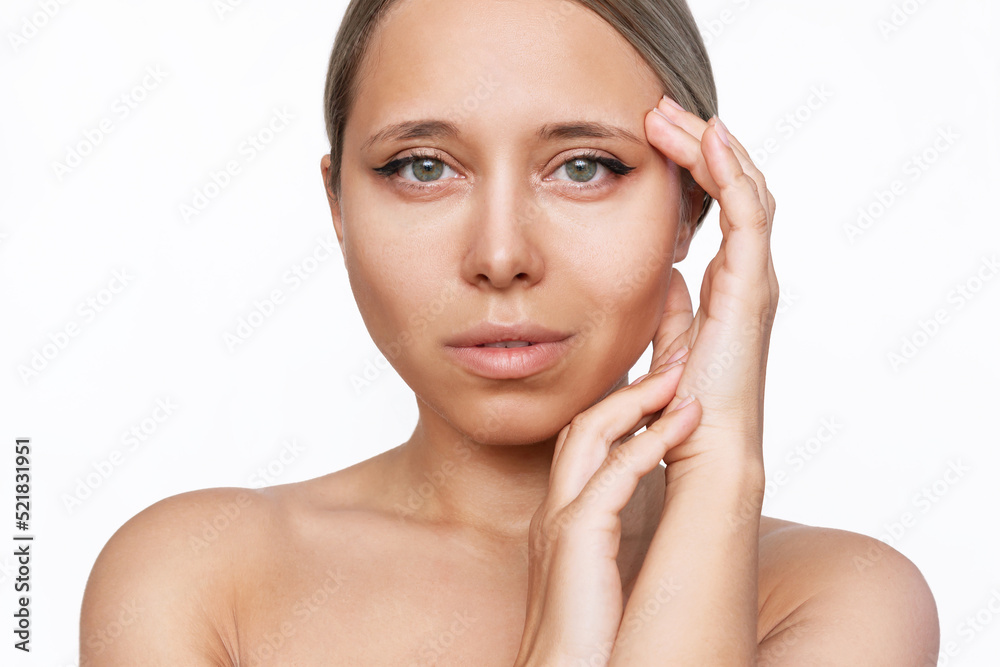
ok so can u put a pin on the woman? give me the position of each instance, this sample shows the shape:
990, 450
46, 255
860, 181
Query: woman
512, 173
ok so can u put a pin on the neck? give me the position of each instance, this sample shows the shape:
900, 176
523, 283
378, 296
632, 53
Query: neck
450, 479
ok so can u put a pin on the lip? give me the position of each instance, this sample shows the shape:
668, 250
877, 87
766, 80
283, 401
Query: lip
508, 363
496, 332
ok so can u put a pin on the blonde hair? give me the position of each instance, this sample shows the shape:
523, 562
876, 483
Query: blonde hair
662, 31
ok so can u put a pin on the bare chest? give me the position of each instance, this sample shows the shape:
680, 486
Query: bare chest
371, 601
365, 593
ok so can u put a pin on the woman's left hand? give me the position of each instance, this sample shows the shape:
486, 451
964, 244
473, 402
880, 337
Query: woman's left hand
696, 596
728, 338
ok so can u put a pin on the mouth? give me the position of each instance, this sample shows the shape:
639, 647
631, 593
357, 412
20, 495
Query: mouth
514, 334
508, 343
509, 360
508, 351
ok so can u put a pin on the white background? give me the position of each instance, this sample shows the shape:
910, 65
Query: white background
846, 305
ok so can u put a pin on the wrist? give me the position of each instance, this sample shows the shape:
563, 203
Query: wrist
729, 467
733, 489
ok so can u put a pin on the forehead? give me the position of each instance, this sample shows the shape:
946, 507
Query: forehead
494, 65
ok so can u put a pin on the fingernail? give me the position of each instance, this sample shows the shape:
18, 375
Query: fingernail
663, 116
678, 354
683, 404
672, 102
637, 379
720, 129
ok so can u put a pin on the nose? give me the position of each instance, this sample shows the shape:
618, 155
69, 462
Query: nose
506, 234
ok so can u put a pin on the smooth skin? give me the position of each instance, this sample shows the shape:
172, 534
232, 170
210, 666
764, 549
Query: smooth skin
364, 566
714, 482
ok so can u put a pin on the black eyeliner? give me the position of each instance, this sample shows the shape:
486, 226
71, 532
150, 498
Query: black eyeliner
393, 166
616, 166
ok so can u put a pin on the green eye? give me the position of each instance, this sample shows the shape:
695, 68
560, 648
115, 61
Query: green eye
581, 169
427, 169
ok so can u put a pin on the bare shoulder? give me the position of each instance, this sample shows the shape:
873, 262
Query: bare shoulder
158, 589
841, 598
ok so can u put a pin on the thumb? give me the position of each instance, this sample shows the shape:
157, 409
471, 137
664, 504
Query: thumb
675, 320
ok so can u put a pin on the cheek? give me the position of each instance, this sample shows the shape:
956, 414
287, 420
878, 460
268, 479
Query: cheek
626, 272
397, 288
634, 246
374, 269
629, 285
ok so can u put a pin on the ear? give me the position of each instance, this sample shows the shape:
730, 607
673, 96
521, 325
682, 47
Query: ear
685, 232
338, 222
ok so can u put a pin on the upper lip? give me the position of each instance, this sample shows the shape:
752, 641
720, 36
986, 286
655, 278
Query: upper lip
496, 332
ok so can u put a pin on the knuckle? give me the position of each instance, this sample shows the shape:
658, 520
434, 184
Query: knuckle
758, 220
589, 423
580, 422
620, 457
687, 158
622, 463
750, 182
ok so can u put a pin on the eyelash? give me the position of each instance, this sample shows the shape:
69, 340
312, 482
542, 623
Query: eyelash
616, 167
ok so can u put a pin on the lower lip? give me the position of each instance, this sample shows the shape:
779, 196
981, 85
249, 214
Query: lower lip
510, 363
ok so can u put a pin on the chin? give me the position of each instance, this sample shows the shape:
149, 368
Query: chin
509, 420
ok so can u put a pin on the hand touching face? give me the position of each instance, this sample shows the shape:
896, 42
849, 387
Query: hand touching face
730, 334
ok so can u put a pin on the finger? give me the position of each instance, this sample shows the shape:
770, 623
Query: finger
615, 407
585, 443
677, 316
744, 219
751, 170
617, 401
695, 127
611, 487
678, 145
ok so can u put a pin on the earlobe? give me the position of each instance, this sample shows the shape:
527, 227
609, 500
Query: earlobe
683, 240
335, 212
686, 225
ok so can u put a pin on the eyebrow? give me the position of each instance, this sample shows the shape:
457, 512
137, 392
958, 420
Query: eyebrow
435, 129
586, 129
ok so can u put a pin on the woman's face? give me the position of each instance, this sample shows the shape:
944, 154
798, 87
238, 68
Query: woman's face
496, 225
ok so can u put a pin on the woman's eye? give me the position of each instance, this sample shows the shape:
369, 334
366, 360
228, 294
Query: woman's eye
425, 168
582, 168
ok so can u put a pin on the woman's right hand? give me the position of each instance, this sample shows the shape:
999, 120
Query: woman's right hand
575, 599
